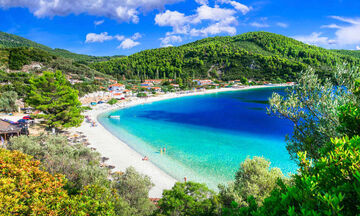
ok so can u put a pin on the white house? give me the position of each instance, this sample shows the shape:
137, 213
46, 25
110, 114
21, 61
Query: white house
117, 87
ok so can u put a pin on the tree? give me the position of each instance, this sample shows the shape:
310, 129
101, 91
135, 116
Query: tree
254, 178
8, 101
190, 199
79, 164
134, 188
96, 200
312, 106
27, 190
52, 94
330, 186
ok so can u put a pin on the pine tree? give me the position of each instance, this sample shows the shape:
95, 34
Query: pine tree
59, 103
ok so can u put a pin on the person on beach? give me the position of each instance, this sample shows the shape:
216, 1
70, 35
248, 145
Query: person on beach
145, 158
164, 150
185, 179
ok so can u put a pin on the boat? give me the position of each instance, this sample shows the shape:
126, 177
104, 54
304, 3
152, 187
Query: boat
114, 116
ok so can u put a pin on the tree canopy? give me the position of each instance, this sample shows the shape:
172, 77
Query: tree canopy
52, 94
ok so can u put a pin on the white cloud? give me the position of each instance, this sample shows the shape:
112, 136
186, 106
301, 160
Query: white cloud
99, 22
171, 18
282, 25
128, 44
216, 13
314, 39
120, 10
202, 2
259, 25
93, 37
346, 34
357, 47
169, 40
136, 36
213, 29
238, 6
347, 20
119, 37
331, 26
220, 20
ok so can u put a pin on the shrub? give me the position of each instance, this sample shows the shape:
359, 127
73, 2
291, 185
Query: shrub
112, 101
188, 199
134, 188
254, 178
27, 190
79, 164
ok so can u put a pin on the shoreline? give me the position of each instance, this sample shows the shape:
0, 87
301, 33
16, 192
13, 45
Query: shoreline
120, 154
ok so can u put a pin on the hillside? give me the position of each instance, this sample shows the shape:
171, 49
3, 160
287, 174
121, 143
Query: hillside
352, 53
255, 55
14, 41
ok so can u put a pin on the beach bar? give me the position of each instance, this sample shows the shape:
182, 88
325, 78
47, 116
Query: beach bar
7, 129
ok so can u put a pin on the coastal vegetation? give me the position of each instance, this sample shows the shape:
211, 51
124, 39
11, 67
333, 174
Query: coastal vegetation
8, 101
82, 189
14, 41
255, 55
313, 107
47, 175
54, 97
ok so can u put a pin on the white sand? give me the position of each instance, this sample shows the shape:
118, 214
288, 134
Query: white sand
120, 154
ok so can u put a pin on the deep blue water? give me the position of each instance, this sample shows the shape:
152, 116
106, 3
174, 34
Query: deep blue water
206, 136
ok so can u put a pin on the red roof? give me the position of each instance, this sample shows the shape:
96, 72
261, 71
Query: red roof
116, 84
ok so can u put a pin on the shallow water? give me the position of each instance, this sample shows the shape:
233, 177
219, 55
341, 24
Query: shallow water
206, 136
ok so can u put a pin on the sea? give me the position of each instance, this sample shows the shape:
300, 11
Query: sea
206, 137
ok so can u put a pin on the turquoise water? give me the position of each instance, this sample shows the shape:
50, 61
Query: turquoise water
206, 136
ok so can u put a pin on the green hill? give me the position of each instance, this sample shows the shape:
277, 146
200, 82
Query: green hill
352, 53
14, 41
255, 55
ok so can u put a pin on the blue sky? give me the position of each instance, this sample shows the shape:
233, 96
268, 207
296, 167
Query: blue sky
123, 27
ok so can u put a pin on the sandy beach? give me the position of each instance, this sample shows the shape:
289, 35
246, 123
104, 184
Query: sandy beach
121, 155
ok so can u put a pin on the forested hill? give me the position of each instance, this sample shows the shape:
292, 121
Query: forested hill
255, 55
14, 41
352, 53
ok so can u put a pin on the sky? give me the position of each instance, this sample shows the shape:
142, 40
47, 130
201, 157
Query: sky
124, 27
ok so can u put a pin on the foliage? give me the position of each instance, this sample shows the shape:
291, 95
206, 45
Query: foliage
51, 94
8, 101
27, 190
254, 178
312, 106
349, 114
112, 101
141, 94
134, 189
79, 164
190, 199
255, 55
18, 57
96, 200
14, 41
352, 53
330, 186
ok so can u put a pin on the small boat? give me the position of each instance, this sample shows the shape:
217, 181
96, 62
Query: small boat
114, 116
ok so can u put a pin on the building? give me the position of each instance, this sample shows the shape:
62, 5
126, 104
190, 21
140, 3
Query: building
156, 89
127, 93
118, 96
146, 84
116, 87
8, 130
203, 82
154, 81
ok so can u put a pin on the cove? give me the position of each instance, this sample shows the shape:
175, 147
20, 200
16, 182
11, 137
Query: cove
206, 136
